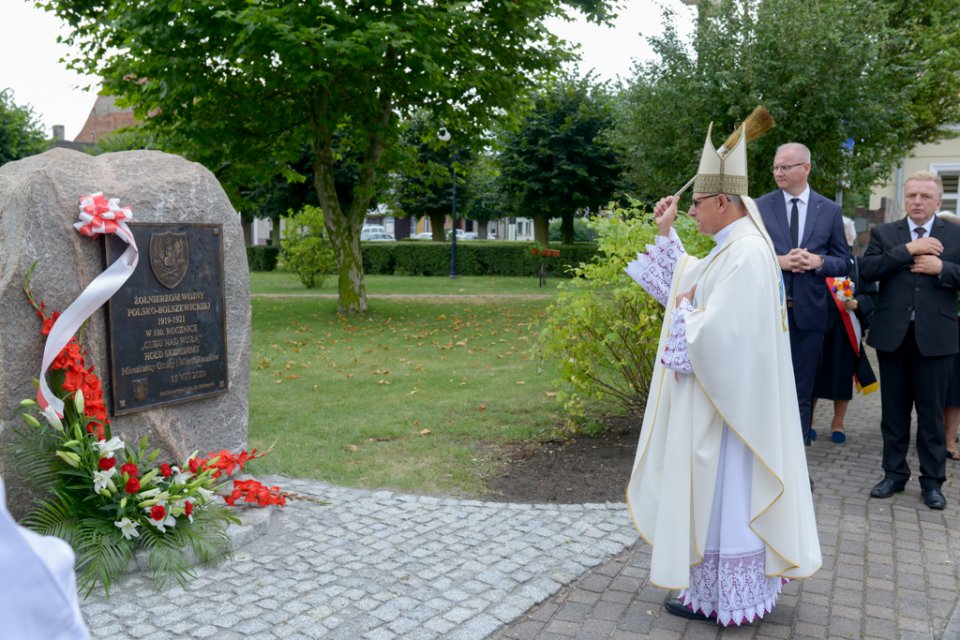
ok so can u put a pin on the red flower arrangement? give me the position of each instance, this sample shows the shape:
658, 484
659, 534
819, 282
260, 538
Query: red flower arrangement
104, 497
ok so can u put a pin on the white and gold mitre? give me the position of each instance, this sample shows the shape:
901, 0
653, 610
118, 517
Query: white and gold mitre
723, 171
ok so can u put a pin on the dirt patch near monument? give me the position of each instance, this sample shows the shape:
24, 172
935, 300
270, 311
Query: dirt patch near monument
574, 471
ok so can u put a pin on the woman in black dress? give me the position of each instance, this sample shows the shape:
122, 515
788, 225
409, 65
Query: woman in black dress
840, 365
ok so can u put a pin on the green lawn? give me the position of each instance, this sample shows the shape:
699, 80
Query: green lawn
407, 396
278, 282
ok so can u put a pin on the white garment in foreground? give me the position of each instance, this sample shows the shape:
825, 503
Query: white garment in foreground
38, 587
731, 582
741, 382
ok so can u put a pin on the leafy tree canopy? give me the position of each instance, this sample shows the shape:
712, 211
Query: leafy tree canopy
883, 73
21, 133
241, 86
559, 160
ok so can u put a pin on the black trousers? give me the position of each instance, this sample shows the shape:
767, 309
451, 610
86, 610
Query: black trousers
911, 380
805, 347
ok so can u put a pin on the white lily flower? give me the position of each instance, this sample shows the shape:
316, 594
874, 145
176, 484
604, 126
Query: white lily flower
204, 494
128, 528
52, 418
101, 479
168, 522
179, 477
107, 448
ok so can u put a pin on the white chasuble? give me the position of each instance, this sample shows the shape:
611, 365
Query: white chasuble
741, 383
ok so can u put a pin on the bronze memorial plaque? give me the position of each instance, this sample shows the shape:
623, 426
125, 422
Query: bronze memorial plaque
167, 323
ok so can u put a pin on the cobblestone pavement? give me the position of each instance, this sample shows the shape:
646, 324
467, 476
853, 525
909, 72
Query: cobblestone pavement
374, 565
381, 565
890, 567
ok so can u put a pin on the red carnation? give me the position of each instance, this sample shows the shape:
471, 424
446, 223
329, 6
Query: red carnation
105, 464
132, 486
130, 469
165, 470
188, 509
158, 512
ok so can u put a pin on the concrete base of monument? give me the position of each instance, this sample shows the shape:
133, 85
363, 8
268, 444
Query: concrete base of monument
254, 524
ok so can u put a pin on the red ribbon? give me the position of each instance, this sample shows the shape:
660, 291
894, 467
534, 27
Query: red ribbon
845, 314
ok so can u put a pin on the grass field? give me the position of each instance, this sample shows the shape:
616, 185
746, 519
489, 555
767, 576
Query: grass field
278, 282
410, 395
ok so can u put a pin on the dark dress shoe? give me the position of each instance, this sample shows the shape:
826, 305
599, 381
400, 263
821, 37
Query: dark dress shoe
934, 499
677, 608
886, 488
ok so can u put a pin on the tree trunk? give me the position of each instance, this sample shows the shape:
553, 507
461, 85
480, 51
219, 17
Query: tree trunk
276, 231
541, 229
343, 231
567, 235
437, 220
482, 229
342, 227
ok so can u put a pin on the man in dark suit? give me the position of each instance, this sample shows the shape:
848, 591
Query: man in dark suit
917, 263
807, 233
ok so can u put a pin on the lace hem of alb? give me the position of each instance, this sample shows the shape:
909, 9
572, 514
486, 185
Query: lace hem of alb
733, 587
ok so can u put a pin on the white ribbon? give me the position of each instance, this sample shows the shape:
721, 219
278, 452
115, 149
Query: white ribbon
97, 216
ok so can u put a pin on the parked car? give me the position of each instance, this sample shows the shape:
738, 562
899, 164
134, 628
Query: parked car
376, 236
423, 235
464, 235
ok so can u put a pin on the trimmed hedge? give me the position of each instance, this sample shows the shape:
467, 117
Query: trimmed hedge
262, 258
474, 258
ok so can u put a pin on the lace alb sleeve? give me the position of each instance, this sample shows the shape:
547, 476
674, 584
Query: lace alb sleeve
653, 270
675, 355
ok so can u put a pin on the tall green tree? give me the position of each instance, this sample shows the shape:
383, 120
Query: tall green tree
883, 73
21, 133
240, 86
483, 200
559, 161
423, 186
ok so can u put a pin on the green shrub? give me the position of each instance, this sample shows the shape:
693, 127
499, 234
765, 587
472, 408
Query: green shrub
304, 250
262, 258
602, 329
474, 258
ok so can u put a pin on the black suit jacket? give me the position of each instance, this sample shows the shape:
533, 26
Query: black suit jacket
823, 235
932, 299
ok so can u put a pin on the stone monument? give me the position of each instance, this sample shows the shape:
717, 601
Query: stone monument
199, 402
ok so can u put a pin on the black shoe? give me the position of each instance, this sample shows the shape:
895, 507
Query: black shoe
886, 488
934, 499
677, 608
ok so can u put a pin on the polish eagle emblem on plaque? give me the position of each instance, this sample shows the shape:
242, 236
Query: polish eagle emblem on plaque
140, 389
169, 257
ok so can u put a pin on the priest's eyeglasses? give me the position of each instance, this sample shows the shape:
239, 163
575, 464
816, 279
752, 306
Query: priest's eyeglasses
785, 167
698, 201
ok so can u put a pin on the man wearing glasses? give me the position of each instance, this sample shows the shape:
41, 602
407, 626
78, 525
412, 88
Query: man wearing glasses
807, 233
719, 487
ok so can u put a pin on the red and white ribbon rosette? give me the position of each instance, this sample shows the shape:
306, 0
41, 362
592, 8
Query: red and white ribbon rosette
98, 215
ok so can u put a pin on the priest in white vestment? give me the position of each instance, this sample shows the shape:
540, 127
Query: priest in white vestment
719, 487
38, 586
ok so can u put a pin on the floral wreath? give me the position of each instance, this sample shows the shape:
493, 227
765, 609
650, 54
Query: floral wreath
105, 497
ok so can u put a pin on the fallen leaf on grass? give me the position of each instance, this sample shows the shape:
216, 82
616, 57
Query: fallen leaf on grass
383, 382
550, 394
426, 432
353, 447
482, 407
521, 382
